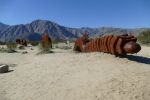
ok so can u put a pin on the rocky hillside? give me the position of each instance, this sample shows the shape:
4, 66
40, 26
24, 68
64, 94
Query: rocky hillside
56, 31
3, 26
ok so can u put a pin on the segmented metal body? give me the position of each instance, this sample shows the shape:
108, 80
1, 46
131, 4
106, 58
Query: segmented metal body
113, 44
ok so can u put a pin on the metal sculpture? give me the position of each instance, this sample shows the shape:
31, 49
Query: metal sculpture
46, 41
21, 42
113, 44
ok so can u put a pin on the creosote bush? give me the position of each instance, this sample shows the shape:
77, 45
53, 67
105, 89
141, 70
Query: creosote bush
11, 45
34, 43
10, 48
2, 43
144, 37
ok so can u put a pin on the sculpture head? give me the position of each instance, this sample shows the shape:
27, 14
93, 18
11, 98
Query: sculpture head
131, 47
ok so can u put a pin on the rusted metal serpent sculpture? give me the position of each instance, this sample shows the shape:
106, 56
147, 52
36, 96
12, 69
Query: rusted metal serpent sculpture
113, 44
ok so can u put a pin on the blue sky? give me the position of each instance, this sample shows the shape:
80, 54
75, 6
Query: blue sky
78, 13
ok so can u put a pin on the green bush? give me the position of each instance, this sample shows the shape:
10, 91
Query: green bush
11, 45
10, 48
45, 48
2, 43
144, 37
34, 43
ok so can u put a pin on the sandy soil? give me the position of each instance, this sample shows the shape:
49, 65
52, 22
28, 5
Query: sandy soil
66, 75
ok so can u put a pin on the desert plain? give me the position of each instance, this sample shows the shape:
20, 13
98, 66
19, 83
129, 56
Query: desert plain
67, 75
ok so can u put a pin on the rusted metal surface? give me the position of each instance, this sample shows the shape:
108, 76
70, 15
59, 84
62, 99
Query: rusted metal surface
113, 44
21, 42
46, 41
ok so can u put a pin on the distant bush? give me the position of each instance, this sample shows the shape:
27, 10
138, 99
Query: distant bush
34, 43
2, 43
11, 45
10, 48
144, 37
44, 49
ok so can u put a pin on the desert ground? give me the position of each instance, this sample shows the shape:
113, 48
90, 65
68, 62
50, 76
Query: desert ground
66, 75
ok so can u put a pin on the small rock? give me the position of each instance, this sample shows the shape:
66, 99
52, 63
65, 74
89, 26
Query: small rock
4, 68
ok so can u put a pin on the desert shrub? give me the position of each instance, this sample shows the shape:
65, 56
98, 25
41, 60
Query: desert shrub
34, 43
11, 45
2, 49
10, 48
2, 43
44, 49
21, 47
144, 37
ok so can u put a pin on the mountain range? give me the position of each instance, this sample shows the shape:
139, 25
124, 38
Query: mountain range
56, 31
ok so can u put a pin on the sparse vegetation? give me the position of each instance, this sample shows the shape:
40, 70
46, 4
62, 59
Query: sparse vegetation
11, 45
34, 43
2, 43
21, 47
44, 49
144, 37
64, 46
10, 48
